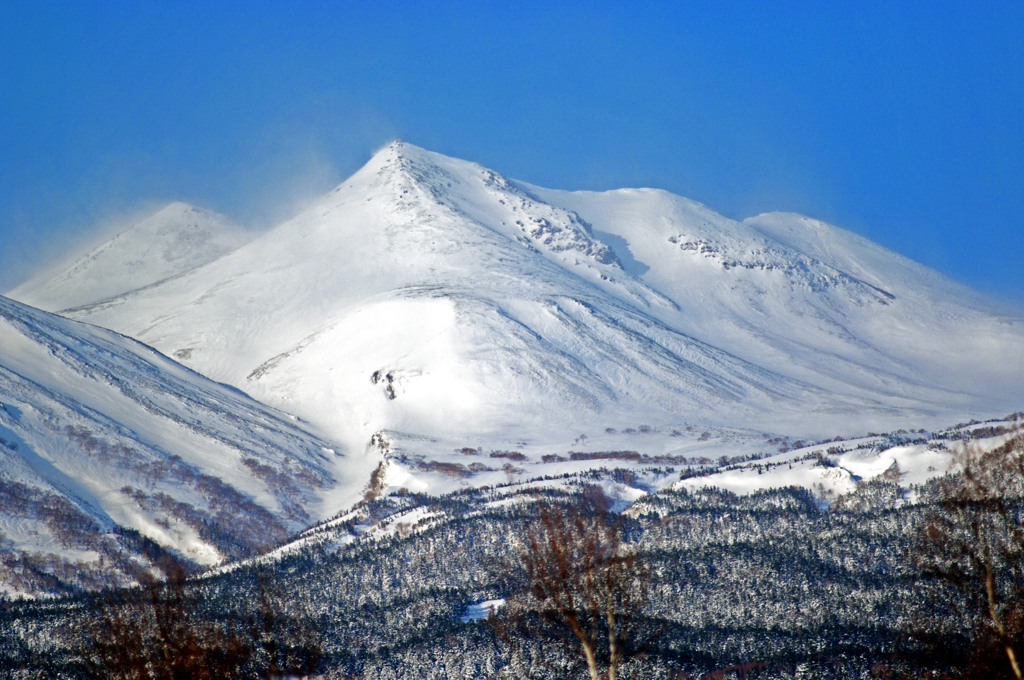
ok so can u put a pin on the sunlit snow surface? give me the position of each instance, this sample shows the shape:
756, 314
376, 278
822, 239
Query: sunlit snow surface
492, 311
481, 610
174, 240
470, 330
132, 439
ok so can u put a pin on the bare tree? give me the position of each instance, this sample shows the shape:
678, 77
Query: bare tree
156, 632
287, 643
584, 586
973, 544
150, 633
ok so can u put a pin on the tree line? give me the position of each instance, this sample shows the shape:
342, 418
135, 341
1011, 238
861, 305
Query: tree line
684, 584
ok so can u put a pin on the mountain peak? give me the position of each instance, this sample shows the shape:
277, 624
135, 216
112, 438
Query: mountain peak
181, 209
485, 307
400, 149
175, 239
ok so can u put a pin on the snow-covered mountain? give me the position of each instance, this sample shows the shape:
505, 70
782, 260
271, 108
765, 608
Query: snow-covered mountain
111, 453
432, 324
174, 240
437, 301
814, 302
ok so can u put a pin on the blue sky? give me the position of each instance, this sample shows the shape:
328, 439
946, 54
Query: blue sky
903, 121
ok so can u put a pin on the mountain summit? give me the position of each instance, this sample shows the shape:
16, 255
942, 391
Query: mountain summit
434, 298
177, 238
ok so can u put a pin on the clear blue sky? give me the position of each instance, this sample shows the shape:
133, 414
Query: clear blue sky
903, 121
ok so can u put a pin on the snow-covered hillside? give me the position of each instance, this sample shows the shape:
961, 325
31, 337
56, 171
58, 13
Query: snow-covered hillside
437, 301
110, 449
431, 324
875, 472
175, 239
815, 303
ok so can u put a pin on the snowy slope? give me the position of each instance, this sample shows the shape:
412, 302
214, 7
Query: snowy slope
437, 304
100, 434
935, 326
489, 311
175, 239
813, 301
879, 471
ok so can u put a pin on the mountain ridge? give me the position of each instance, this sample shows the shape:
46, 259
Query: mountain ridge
106, 444
171, 241
428, 311
478, 259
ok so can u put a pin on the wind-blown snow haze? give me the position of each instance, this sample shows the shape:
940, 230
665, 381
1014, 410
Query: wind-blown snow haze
429, 309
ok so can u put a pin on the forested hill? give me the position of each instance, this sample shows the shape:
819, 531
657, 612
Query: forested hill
770, 583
